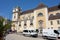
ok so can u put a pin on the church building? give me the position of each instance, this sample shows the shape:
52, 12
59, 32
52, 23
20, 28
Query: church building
40, 17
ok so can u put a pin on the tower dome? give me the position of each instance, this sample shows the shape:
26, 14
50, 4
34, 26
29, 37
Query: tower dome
17, 9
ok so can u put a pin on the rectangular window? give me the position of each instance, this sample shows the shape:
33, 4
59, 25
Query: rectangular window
58, 28
51, 27
31, 22
19, 24
51, 23
24, 24
14, 17
32, 17
58, 22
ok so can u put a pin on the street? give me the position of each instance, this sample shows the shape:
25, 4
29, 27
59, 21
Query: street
15, 36
21, 37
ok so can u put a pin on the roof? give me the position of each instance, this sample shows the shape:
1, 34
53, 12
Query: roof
57, 16
41, 5
54, 8
28, 11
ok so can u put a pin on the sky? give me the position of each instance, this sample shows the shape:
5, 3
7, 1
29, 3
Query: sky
6, 6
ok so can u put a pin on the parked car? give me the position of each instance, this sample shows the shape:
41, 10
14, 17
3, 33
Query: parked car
59, 34
28, 32
10, 31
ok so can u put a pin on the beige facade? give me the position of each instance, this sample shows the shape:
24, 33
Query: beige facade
54, 21
37, 18
55, 24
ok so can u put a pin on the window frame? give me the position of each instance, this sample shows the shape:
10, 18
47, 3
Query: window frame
58, 22
58, 28
32, 17
14, 16
31, 22
40, 14
19, 24
51, 22
51, 27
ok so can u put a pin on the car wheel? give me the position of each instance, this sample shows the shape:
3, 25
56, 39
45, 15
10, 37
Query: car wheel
34, 35
23, 34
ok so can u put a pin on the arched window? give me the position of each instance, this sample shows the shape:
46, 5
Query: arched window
40, 14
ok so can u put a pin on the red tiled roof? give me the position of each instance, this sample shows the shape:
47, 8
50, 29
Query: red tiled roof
28, 11
39, 6
54, 8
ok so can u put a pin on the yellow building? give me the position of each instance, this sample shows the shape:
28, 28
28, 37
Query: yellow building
40, 17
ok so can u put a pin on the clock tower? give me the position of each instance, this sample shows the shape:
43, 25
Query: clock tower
15, 17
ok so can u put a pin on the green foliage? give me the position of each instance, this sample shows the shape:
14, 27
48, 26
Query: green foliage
7, 26
1, 27
4, 27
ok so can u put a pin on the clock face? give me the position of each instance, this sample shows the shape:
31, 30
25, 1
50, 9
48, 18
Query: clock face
16, 9
13, 10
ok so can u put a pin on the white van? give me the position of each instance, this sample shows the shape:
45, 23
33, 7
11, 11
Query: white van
30, 33
49, 33
59, 34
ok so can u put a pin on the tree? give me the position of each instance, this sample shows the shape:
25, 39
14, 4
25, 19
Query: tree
3, 28
7, 26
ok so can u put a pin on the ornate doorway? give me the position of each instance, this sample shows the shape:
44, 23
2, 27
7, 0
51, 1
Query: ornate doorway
40, 26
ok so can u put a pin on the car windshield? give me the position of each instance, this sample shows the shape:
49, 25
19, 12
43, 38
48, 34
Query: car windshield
25, 31
33, 31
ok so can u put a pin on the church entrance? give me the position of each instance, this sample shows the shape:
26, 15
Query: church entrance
40, 26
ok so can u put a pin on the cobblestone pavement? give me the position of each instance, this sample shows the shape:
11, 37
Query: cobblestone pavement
21, 37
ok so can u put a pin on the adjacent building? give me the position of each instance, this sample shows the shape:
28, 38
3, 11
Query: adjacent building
40, 17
